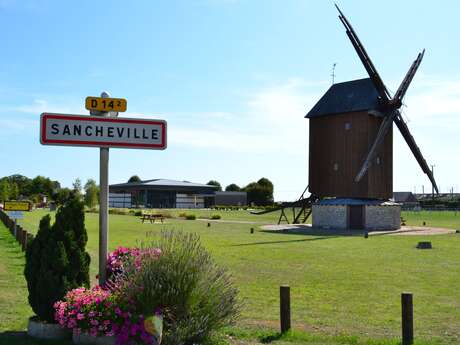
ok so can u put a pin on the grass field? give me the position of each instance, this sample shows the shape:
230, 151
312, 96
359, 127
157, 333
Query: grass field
343, 289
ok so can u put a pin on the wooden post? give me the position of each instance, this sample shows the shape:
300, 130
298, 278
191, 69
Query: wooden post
407, 319
285, 308
24, 240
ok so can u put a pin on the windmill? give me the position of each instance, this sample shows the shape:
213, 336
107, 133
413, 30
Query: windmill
351, 148
351, 151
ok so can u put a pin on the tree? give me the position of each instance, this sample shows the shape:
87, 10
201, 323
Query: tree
43, 185
232, 188
22, 185
14, 191
215, 183
91, 193
62, 195
134, 178
77, 187
56, 260
260, 192
4, 189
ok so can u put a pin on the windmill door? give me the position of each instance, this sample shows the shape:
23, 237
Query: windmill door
356, 217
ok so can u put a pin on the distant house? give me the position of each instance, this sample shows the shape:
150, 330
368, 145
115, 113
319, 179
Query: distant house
407, 199
165, 193
231, 199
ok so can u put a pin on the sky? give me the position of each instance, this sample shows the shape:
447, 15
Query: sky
233, 79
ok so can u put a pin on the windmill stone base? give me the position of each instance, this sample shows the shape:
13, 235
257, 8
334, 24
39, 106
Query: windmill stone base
356, 214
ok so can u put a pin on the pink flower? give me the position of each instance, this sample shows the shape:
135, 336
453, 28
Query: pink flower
93, 332
80, 316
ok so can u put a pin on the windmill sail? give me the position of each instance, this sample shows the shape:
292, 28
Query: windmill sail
399, 95
383, 130
415, 149
365, 59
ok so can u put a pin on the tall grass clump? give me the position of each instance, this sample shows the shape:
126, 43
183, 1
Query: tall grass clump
195, 295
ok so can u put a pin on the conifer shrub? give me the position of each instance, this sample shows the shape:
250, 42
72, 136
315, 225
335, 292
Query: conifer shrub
56, 260
195, 295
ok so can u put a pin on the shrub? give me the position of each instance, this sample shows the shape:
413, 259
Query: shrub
166, 214
215, 216
56, 261
190, 217
119, 211
138, 213
196, 296
182, 214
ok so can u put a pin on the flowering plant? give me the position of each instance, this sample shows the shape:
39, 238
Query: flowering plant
90, 310
105, 311
120, 258
117, 260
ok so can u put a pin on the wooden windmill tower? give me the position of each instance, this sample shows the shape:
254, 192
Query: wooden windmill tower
351, 148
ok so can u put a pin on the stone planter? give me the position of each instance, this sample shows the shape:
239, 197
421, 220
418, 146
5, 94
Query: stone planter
86, 339
43, 330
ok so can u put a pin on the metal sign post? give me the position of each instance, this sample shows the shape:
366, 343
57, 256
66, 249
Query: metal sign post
103, 212
103, 207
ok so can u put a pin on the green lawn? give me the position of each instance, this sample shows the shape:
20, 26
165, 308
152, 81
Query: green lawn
443, 219
341, 287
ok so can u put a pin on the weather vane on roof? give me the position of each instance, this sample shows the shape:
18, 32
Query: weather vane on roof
333, 72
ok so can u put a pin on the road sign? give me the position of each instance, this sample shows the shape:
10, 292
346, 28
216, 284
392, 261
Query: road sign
15, 214
82, 130
106, 104
17, 206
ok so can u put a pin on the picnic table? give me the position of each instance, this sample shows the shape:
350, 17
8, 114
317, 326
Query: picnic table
152, 217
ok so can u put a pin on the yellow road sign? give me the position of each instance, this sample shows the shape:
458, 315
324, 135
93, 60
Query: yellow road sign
106, 104
17, 206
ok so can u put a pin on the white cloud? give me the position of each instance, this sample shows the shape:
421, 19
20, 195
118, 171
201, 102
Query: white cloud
271, 119
432, 98
39, 106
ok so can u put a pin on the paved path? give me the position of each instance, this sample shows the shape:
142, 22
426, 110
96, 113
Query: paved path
230, 221
308, 230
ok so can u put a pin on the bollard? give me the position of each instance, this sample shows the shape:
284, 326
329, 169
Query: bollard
407, 317
285, 308
252, 230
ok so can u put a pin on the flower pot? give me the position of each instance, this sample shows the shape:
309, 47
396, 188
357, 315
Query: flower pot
44, 330
86, 339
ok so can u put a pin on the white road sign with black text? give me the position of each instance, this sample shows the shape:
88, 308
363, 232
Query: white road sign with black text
81, 130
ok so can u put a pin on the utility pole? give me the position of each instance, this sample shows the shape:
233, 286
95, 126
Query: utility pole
432, 186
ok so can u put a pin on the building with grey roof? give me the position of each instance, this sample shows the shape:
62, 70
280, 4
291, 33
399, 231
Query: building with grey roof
166, 193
